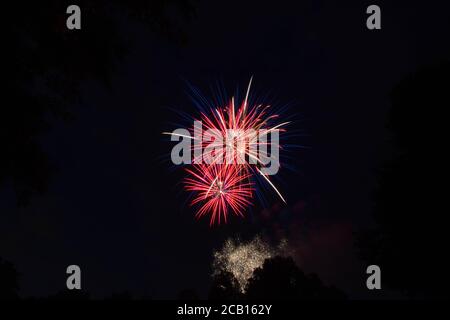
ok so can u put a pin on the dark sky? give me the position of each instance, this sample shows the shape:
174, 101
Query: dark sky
117, 210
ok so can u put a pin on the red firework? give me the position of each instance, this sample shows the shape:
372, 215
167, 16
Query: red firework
223, 183
245, 121
219, 188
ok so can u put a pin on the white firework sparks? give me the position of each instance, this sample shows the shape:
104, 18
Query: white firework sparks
241, 259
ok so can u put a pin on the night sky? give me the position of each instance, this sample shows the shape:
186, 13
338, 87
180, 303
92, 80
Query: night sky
115, 205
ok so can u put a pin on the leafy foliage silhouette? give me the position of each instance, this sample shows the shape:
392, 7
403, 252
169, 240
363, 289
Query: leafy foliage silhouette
279, 279
409, 241
9, 281
47, 63
225, 287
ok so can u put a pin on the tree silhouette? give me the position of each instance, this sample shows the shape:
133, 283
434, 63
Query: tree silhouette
46, 63
225, 287
280, 278
70, 295
120, 296
409, 242
188, 294
9, 281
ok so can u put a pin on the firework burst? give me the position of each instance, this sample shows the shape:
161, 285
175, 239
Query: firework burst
219, 188
228, 157
240, 126
241, 259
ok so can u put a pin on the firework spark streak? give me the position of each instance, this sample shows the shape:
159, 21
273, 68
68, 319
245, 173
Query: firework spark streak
221, 176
